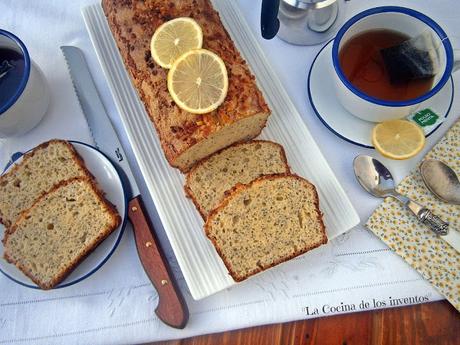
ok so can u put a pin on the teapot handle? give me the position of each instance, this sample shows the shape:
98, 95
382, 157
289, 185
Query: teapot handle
269, 22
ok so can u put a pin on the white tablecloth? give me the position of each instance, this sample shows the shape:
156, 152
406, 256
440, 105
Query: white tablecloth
116, 304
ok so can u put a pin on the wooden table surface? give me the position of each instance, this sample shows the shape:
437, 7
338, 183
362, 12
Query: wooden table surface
430, 323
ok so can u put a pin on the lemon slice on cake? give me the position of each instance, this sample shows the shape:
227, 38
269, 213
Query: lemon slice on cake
174, 38
398, 139
198, 81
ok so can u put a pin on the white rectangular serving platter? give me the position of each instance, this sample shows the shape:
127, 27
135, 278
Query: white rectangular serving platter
201, 266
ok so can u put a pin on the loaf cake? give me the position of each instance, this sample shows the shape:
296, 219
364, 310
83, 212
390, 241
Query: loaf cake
63, 226
186, 138
207, 182
266, 222
39, 170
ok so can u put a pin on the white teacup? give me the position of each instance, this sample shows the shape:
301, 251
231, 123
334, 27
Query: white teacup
24, 104
404, 20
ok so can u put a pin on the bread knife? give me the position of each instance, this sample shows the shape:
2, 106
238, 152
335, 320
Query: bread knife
171, 308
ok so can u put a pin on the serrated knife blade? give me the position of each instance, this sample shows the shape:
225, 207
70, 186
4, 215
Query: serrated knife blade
171, 308
102, 131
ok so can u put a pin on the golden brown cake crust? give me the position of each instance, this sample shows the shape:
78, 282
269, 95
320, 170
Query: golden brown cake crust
133, 23
231, 194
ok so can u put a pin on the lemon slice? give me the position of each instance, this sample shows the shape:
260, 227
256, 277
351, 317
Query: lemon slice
174, 38
398, 139
198, 81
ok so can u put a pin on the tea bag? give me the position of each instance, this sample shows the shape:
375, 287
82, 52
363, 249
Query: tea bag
416, 58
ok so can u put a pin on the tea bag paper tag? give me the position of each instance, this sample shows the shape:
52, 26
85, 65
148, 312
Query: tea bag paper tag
427, 119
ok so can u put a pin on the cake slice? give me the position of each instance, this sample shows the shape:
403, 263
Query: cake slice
62, 227
266, 222
208, 180
186, 138
39, 170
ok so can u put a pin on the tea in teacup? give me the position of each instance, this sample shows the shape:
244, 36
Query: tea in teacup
376, 62
363, 85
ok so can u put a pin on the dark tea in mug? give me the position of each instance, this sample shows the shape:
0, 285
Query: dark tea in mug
11, 73
362, 63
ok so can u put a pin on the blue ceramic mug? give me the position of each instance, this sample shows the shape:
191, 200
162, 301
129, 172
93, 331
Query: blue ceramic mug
24, 93
406, 21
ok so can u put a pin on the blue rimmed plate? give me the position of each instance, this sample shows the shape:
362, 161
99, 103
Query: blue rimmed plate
110, 182
321, 93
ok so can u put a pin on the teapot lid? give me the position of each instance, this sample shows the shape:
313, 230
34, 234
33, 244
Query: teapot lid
304, 4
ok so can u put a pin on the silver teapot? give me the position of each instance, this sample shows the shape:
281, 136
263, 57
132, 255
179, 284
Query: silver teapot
303, 22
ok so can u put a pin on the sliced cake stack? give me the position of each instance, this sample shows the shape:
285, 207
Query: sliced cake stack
257, 213
53, 213
39, 170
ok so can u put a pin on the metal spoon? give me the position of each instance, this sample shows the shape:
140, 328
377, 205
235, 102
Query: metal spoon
375, 178
441, 180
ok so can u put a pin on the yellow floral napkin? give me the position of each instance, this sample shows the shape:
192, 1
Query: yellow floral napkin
433, 258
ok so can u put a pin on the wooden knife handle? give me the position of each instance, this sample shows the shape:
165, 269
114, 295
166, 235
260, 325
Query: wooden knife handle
172, 308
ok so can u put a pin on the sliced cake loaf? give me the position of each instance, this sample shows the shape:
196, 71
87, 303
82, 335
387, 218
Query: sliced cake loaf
266, 222
63, 226
208, 181
39, 170
186, 138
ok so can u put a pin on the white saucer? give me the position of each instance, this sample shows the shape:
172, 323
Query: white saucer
339, 121
109, 181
